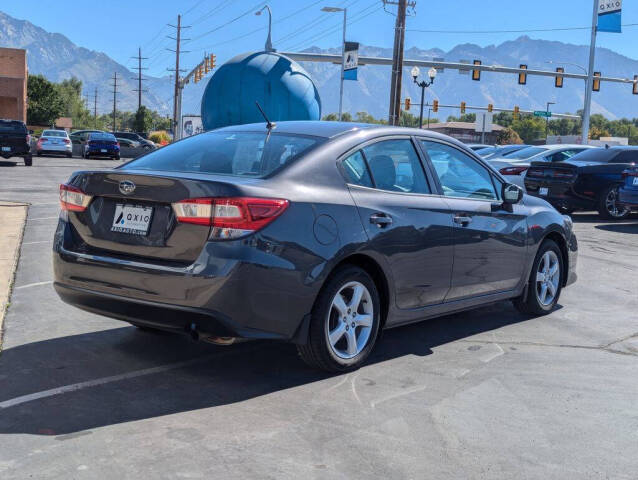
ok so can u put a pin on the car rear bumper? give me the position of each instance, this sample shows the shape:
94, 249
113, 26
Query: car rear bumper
628, 197
560, 195
55, 148
16, 151
232, 289
109, 152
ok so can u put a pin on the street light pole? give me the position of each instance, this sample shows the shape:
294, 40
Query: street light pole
423, 85
343, 52
268, 39
590, 75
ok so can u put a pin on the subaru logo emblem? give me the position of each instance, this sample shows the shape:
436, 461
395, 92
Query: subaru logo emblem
127, 187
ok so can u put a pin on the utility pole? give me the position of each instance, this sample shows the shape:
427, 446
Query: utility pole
139, 78
590, 75
397, 60
177, 112
114, 98
95, 108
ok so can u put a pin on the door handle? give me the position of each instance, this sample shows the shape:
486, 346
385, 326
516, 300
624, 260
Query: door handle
381, 220
462, 220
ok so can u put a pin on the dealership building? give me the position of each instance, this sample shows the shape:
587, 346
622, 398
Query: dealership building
13, 84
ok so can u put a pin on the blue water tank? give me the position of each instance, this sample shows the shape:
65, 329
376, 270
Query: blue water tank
281, 86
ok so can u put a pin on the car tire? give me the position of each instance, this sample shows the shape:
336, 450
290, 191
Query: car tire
544, 285
117, 157
608, 207
342, 334
28, 161
38, 153
69, 155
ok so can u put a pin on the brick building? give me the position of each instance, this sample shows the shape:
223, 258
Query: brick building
13, 84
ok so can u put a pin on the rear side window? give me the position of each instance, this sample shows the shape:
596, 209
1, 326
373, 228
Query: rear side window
395, 166
628, 156
356, 170
228, 153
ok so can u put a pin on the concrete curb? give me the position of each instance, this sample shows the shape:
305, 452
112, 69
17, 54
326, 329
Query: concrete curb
13, 217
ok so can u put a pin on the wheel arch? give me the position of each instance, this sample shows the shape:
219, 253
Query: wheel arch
560, 240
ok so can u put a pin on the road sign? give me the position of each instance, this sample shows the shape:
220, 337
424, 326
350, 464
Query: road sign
483, 122
542, 113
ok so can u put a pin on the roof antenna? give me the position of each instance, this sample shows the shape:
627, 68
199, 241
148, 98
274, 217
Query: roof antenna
269, 125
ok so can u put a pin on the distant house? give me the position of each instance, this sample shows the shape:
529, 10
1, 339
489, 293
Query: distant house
13, 84
464, 131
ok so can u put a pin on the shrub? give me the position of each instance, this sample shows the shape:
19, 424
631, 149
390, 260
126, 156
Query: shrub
160, 137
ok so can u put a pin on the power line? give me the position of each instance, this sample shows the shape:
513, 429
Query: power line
213, 11
251, 10
529, 30
139, 78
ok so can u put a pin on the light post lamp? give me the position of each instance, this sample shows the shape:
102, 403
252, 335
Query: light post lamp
343, 51
423, 84
568, 63
268, 40
547, 119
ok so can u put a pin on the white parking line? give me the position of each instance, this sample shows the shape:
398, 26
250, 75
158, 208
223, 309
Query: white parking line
43, 218
114, 378
36, 284
40, 241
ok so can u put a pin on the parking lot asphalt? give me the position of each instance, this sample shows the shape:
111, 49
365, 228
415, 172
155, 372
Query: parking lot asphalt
484, 394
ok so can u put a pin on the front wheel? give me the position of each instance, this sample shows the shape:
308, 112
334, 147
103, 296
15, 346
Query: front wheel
345, 322
544, 285
608, 207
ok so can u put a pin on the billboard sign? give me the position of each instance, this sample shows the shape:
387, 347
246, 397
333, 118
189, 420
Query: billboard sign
191, 125
350, 60
609, 16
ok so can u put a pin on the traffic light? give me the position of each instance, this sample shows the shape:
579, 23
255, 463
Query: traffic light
476, 74
462, 107
196, 76
596, 84
213, 59
558, 81
206, 65
490, 107
517, 112
522, 77
407, 103
435, 106
635, 89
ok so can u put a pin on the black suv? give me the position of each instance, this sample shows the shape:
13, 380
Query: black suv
15, 140
136, 137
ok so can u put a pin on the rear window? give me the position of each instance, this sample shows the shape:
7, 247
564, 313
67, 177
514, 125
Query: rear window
595, 155
526, 153
102, 136
54, 133
229, 153
12, 126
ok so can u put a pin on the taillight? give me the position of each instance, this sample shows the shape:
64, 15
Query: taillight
629, 173
91, 142
67, 141
42, 140
562, 174
230, 217
535, 172
513, 170
118, 144
73, 199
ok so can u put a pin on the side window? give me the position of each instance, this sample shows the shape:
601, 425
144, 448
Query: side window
395, 166
628, 156
459, 174
356, 170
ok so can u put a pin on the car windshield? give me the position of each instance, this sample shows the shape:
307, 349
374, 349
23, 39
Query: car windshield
102, 136
54, 133
230, 153
526, 153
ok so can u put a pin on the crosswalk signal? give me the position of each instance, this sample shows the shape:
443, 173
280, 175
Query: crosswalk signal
558, 81
635, 89
407, 103
517, 112
490, 107
476, 74
462, 107
435, 106
596, 84
522, 77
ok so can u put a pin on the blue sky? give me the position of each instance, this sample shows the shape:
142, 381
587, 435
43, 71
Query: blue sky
118, 27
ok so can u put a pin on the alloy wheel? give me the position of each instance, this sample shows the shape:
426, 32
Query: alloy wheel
349, 321
612, 206
547, 278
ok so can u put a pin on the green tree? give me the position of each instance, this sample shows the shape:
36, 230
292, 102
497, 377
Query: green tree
508, 137
465, 117
70, 91
143, 120
45, 103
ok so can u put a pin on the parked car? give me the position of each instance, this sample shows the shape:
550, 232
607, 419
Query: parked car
79, 136
514, 166
100, 144
15, 140
125, 142
587, 181
304, 233
628, 192
499, 150
136, 137
54, 141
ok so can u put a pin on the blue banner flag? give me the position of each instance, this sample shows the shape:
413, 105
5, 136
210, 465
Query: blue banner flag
350, 60
609, 13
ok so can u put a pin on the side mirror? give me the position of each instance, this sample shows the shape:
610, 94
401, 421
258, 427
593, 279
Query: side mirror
511, 193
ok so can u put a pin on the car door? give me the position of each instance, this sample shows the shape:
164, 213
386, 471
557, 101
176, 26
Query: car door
489, 238
405, 223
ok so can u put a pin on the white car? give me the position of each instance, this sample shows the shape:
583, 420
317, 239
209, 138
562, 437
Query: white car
514, 166
54, 141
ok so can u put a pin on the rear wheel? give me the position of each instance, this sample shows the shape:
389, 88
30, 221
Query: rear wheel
544, 286
28, 160
608, 206
345, 322
69, 155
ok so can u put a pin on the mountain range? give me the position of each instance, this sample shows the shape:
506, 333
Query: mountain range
57, 58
